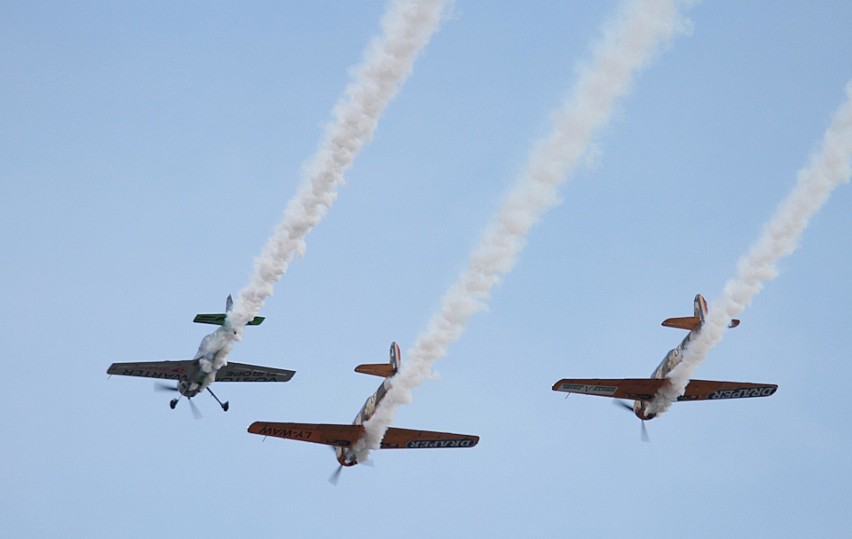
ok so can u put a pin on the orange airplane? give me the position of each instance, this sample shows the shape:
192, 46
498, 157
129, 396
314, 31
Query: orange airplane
642, 390
344, 437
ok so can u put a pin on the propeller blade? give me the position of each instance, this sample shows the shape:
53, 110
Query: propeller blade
336, 475
623, 405
160, 386
196, 413
645, 437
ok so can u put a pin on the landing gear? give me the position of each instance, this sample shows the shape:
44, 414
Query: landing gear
173, 403
224, 406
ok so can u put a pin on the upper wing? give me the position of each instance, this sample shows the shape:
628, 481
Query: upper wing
336, 435
413, 439
169, 370
242, 372
618, 388
712, 390
646, 388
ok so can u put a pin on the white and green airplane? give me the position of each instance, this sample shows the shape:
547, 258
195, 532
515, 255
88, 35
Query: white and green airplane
209, 364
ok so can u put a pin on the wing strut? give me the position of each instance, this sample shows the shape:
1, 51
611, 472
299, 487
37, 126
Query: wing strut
224, 406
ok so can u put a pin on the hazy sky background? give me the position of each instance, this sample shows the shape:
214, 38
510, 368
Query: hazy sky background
148, 150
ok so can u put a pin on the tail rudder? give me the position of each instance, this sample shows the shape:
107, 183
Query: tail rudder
701, 311
384, 370
229, 304
395, 357
700, 305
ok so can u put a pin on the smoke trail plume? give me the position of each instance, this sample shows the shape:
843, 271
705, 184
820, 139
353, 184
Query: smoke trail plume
827, 169
407, 27
628, 44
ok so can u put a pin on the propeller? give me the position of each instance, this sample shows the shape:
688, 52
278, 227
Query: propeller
644, 435
160, 386
623, 405
196, 413
335, 476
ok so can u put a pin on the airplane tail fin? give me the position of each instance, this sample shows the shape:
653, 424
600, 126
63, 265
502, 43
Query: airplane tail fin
384, 370
697, 320
218, 319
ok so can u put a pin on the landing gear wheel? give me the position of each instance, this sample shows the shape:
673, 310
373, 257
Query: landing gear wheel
173, 403
225, 406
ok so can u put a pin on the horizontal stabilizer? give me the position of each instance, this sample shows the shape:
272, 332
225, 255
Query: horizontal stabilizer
691, 322
686, 322
646, 388
347, 435
218, 319
376, 369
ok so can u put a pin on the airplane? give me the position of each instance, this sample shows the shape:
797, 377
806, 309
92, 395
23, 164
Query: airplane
643, 390
209, 364
343, 438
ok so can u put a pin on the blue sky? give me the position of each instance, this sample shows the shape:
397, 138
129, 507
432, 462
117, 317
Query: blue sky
149, 150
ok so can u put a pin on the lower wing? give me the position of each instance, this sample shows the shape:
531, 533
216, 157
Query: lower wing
646, 388
346, 435
242, 372
168, 370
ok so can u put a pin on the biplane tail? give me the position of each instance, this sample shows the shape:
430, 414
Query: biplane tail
694, 322
218, 319
384, 370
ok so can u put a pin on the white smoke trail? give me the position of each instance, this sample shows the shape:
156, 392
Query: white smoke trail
827, 169
407, 27
629, 42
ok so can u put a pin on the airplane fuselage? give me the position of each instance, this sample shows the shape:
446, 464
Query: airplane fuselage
211, 356
671, 360
347, 456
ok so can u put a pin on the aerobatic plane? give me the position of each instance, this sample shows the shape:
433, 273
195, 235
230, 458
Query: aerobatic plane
642, 390
209, 364
343, 438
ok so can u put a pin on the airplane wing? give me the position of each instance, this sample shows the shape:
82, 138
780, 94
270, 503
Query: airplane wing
712, 390
346, 435
646, 388
336, 435
168, 370
623, 388
242, 372
415, 439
